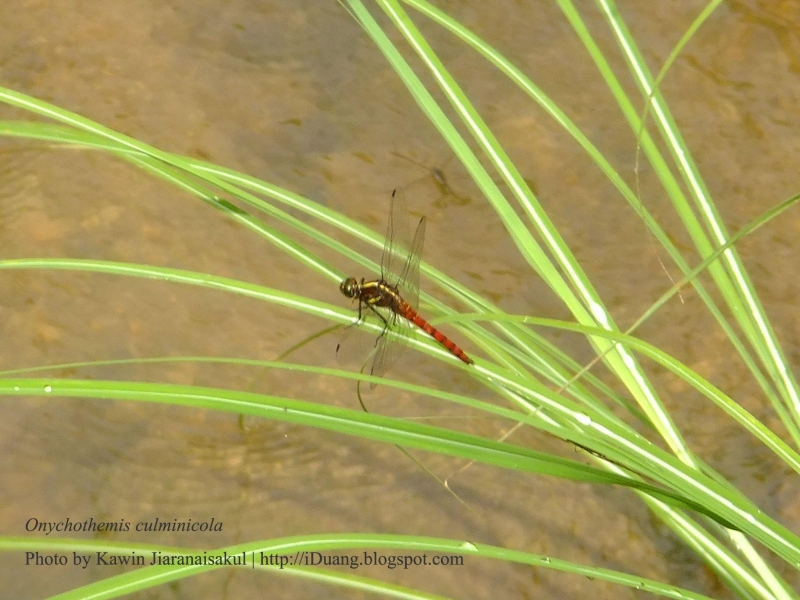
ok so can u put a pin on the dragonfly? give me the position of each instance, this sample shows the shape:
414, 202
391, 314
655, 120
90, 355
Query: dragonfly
396, 293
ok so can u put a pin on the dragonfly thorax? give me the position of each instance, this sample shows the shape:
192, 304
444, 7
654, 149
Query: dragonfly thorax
376, 293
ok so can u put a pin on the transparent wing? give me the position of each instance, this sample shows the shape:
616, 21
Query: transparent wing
359, 340
390, 346
396, 245
408, 284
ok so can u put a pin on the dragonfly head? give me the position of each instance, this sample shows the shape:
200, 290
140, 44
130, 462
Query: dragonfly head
350, 287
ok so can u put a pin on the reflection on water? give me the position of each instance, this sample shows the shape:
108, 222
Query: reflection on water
297, 95
437, 178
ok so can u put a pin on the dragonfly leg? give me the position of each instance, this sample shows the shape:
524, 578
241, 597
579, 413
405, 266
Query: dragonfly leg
378, 364
360, 316
382, 318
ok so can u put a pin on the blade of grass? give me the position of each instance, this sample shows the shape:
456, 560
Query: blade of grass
515, 75
352, 422
737, 289
295, 546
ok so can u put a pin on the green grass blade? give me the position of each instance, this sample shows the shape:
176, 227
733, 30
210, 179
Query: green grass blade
700, 492
737, 288
292, 546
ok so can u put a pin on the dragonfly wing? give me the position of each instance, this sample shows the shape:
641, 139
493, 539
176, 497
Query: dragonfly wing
390, 346
408, 285
396, 244
381, 336
359, 340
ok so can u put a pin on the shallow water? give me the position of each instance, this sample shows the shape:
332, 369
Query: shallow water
295, 94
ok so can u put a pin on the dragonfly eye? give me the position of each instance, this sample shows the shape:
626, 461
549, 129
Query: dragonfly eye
349, 287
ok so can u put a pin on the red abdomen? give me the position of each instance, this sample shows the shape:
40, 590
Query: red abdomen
409, 313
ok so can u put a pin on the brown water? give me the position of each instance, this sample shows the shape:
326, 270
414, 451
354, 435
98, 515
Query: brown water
294, 93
